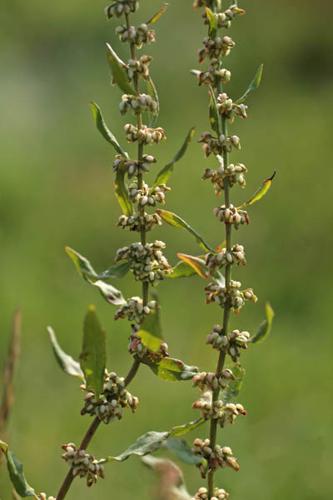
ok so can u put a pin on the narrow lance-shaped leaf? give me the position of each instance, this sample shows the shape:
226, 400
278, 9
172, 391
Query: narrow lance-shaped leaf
66, 362
261, 192
121, 192
16, 473
156, 17
182, 450
234, 386
254, 85
164, 174
174, 220
181, 270
212, 21
93, 356
86, 270
172, 369
104, 130
148, 443
265, 327
197, 264
117, 270
119, 71
181, 430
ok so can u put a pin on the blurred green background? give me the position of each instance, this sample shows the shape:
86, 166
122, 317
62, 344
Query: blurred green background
56, 189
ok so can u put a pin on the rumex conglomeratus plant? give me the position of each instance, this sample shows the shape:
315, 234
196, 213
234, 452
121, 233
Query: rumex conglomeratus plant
106, 394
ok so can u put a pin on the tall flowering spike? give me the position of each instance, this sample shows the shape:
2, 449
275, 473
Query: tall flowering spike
220, 388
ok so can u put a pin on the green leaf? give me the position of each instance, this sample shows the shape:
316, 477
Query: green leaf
118, 270
93, 356
212, 21
164, 174
111, 294
265, 327
156, 17
234, 386
174, 220
83, 266
261, 192
66, 362
152, 91
198, 265
16, 474
181, 430
214, 116
172, 369
118, 70
148, 443
103, 129
181, 270
254, 85
150, 331
182, 451
121, 192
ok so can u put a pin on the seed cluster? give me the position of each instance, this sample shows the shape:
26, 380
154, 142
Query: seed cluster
133, 167
137, 104
219, 494
135, 310
211, 381
218, 145
232, 215
233, 173
82, 464
145, 135
232, 343
148, 196
111, 403
232, 296
223, 258
138, 36
138, 222
147, 262
120, 7
214, 458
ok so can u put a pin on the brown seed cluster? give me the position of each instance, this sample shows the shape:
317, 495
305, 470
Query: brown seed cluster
82, 464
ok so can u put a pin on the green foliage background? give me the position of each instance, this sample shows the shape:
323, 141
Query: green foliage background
56, 189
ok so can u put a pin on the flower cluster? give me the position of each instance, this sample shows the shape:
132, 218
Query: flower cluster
111, 403
214, 48
232, 215
139, 67
135, 310
212, 381
232, 296
82, 463
219, 494
214, 458
234, 174
223, 258
231, 343
120, 7
138, 104
138, 36
145, 135
138, 222
148, 196
147, 262
226, 107
218, 145
133, 167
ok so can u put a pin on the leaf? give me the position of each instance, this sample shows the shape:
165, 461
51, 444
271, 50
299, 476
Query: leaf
254, 85
152, 91
181, 270
118, 270
82, 264
181, 430
16, 474
214, 116
164, 174
261, 192
197, 264
118, 70
212, 21
111, 294
174, 220
93, 356
66, 362
148, 443
265, 327
171, 480
103, 129
156, 17
234, 386
121, 192
182, 451
172, 369
150, 331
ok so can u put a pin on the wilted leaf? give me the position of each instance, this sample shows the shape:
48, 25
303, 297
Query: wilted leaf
182, 450
66, 362
212, 21
174, 220
16, 474
121, 192
171, 481
181, 270
158, 14
93, 356
181, 430
255, 83
172, 369
265, 327
197, 264
148, 443
111, 294
164, 174
261, 192
103, 129
119, 73
234, 386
